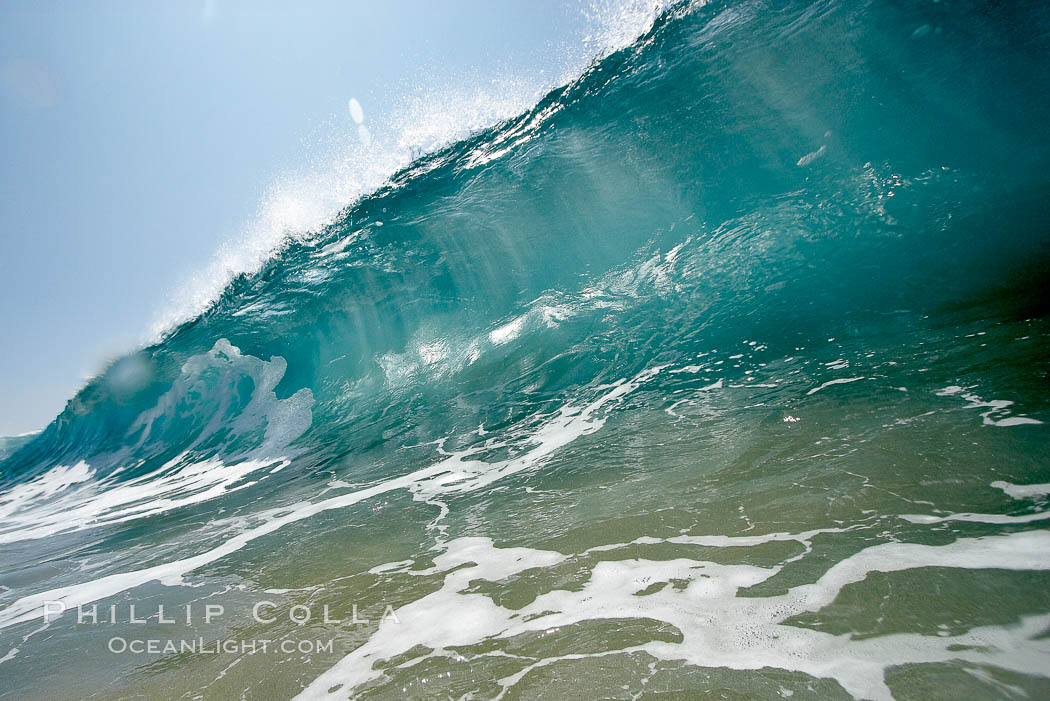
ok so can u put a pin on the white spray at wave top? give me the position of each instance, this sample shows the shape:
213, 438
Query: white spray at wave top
302, 203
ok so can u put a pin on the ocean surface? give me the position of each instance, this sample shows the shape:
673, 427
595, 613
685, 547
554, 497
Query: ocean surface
721, 369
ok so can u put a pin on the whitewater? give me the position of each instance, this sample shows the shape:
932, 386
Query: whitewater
716, 365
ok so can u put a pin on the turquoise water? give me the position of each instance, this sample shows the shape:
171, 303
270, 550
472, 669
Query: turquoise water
723, 369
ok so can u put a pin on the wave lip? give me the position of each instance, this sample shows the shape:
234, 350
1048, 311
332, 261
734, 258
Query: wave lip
300, 205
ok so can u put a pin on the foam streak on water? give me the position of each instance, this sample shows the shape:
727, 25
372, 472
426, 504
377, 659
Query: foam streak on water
719, 628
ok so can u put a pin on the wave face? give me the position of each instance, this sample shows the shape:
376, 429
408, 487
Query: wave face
721, 369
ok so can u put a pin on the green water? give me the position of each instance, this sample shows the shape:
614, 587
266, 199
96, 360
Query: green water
722, 371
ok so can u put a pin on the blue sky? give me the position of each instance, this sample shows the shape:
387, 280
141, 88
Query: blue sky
139, 136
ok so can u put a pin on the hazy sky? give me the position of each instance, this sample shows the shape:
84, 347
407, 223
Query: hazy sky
137, 137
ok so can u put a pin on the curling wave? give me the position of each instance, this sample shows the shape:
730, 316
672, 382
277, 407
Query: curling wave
664, 383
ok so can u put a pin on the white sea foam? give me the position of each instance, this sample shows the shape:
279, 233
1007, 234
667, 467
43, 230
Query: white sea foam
996, 407
25, 434
829, 383
458, 472
1015, 491
43, 488
69, 498
1023, 491
719, 627
999, 519
29, 514
507, 332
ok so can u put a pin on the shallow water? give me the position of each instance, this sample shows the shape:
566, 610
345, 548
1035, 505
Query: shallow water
721, 370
